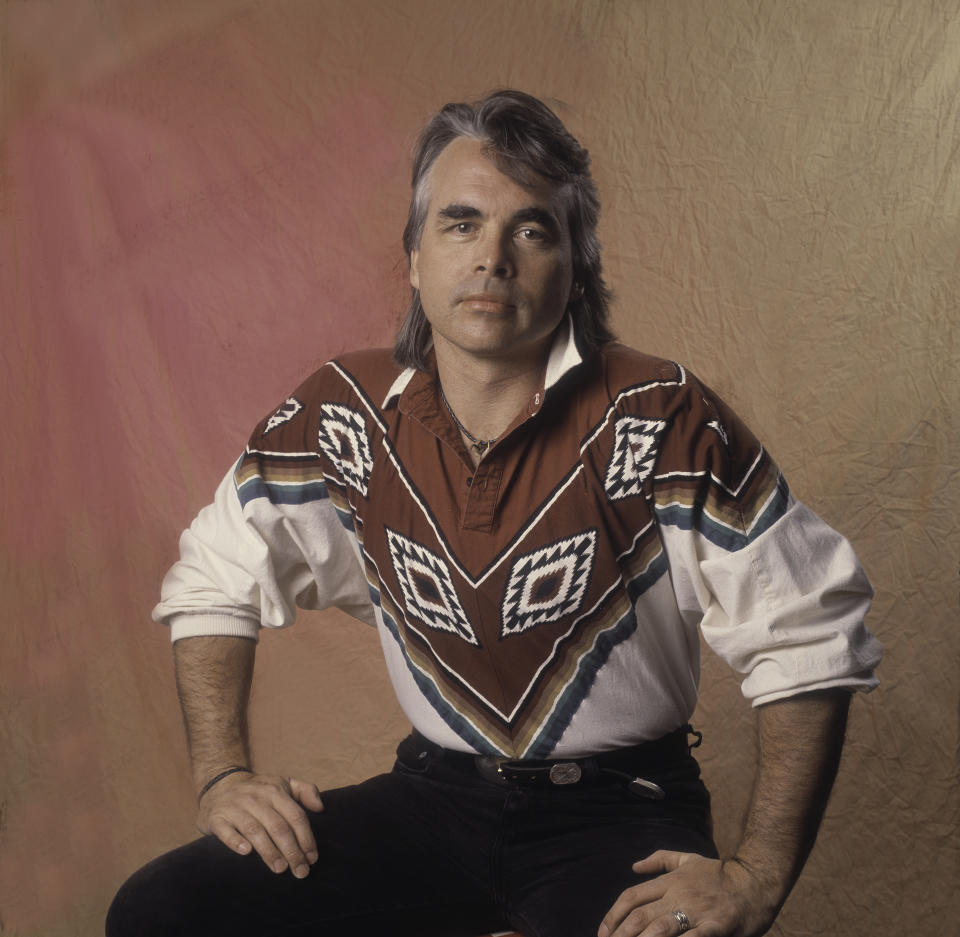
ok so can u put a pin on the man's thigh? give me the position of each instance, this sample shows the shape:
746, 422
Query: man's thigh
388, 864
430, 852
563, 873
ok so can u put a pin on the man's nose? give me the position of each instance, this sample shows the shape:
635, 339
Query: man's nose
495, 255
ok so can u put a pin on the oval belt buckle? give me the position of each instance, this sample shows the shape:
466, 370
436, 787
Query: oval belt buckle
565, 772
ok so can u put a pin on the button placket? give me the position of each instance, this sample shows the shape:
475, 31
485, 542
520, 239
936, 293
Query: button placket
481, 499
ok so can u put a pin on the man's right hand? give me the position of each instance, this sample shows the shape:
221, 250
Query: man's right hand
266, 813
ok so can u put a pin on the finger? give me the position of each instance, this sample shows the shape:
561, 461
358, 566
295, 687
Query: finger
308, 794
659, 862
667, 925
630, 909
285, 824
299, 823
256, 829
643, 920
228, 835
670, 926
636, 896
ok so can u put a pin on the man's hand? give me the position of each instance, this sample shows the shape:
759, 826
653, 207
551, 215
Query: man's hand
265, 813
720, 898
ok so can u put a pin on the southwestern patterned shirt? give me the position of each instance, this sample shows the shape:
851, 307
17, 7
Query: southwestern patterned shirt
548, 601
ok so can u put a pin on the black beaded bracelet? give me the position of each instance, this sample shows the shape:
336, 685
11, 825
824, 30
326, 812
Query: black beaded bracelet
219, 777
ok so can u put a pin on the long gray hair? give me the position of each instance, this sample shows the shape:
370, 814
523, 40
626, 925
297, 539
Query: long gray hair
526, 142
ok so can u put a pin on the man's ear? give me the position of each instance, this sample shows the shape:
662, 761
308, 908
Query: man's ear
576, 291
414, 272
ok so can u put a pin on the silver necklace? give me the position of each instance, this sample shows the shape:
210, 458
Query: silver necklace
480, 446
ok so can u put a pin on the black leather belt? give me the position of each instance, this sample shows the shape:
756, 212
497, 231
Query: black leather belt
628, 764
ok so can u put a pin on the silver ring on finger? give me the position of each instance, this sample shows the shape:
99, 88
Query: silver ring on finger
683, 921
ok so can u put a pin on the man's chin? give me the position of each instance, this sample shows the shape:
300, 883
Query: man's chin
494, 349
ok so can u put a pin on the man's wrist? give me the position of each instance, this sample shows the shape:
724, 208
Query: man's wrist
770, 887
217, 778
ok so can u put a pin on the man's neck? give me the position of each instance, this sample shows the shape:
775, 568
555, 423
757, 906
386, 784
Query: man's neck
486, 394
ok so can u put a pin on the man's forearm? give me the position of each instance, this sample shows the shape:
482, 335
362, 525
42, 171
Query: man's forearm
248, 812
214, 675
800, 744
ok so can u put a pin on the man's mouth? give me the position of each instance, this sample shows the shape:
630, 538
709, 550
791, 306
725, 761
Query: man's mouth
491, 300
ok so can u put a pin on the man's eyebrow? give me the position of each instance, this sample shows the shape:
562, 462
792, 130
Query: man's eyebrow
458, 212
539, 216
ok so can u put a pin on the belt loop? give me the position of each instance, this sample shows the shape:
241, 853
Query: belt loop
690, 730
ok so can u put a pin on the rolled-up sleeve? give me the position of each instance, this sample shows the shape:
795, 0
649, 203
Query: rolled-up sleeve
788, 610
272, 541
243, 568
777, 593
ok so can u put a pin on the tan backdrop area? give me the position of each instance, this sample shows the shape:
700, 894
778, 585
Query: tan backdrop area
202, 200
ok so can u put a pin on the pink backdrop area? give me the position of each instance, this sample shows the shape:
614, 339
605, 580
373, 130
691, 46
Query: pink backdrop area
202, 201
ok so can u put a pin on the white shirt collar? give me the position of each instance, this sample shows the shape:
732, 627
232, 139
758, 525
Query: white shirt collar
398, 386
564, 354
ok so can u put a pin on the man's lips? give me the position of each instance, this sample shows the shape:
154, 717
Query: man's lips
486, 299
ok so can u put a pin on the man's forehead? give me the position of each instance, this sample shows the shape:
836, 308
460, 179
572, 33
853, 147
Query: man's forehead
465, 167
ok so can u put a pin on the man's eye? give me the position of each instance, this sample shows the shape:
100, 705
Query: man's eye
463, 227
530, 234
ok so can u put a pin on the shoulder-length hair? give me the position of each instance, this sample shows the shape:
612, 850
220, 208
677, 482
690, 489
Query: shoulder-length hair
525, 140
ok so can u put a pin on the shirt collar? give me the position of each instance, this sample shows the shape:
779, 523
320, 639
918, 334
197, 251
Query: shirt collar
398, 386
564, 356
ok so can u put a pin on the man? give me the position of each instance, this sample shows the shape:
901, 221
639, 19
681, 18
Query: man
537, 520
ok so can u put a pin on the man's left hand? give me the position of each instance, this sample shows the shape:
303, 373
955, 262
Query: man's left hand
720, 898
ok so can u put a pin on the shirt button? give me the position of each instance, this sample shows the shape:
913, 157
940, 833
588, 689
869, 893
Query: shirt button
469, 480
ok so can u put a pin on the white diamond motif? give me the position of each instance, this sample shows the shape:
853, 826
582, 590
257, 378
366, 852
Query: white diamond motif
548, 584
635, 448
344, 441
428, 590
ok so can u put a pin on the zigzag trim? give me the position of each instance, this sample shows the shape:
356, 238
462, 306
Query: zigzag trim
725, 526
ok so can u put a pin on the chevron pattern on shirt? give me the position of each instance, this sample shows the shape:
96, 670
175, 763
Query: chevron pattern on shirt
503, 631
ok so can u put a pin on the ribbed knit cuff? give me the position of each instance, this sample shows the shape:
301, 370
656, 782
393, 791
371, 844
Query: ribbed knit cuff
193, 625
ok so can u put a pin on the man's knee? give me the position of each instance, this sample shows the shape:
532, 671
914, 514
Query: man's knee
131, 914
169, 895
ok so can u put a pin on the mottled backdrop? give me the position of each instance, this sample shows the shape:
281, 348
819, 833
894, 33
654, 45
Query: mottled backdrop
202, 201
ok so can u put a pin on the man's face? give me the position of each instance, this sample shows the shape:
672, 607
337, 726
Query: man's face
494, 267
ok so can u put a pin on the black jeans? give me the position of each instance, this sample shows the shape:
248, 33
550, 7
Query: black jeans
430, 850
